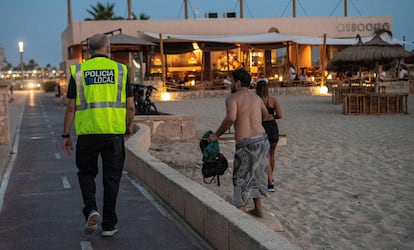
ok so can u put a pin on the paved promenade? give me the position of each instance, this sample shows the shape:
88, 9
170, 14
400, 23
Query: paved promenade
342, 181
40, 202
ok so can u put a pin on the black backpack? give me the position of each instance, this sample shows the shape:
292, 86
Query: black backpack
213, 167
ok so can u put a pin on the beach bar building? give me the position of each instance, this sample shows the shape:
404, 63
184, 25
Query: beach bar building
205, 50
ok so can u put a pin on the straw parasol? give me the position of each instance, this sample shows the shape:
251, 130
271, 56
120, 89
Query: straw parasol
374, 51
370, 54
343, 63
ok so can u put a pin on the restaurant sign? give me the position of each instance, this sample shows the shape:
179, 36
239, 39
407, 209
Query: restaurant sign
361, 27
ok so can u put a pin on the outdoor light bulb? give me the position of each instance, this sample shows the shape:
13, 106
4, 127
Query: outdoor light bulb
195, 46
21, 47
280, 78
165, 96
324, 90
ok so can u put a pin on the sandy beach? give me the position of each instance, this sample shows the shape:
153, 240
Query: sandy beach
342, 181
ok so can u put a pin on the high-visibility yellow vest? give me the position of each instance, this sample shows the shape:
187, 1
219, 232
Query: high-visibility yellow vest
100, 96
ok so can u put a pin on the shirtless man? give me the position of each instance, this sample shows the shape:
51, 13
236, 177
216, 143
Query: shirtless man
246, 111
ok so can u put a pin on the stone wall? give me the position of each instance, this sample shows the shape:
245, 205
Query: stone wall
223, 225
4, 114
172, 127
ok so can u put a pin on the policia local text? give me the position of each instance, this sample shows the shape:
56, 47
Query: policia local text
99, 76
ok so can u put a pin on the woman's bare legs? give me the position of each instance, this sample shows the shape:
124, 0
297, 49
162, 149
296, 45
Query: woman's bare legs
271, 164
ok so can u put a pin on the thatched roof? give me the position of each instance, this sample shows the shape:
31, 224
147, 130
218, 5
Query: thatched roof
410, 59
369, 53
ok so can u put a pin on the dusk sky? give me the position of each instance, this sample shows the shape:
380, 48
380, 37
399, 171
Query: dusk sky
39, 24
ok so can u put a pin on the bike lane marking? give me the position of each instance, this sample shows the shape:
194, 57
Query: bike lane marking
65, 182
86, 245
147, 195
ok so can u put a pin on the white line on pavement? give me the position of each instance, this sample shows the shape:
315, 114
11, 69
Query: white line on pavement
58, 156
86, 245
148, 195
65, 182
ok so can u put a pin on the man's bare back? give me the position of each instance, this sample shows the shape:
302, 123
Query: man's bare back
246, 109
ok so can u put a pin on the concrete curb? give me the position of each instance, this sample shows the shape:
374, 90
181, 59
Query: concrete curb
217, 221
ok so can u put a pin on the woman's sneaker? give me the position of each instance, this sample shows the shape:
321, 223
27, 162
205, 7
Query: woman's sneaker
270, 188
110, 232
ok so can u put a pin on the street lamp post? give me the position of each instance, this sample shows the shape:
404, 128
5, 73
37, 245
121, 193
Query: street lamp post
21, 57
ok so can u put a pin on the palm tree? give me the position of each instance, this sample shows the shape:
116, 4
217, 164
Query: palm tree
7, 66
102, 12
31, 65
142, 16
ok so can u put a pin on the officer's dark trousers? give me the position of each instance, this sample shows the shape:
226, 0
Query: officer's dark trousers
112, 151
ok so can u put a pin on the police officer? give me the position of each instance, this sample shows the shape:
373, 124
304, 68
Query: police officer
101, 106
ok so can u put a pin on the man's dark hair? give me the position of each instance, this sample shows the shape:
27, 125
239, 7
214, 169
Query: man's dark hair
243, 76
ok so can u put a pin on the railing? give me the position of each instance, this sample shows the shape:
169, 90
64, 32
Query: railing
338, 93
383, 103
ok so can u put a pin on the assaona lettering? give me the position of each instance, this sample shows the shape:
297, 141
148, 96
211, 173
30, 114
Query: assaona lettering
360, 27
103, 76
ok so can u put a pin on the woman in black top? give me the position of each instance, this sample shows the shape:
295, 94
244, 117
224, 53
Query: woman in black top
270, 126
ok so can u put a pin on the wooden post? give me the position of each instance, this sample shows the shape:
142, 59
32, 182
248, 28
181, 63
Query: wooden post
241, 8
323, 60
294, 8
129, 10
163, 71
297, 61
69, 13
345, 7
186, 9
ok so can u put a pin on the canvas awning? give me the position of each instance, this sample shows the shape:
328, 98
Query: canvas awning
119, 39
343, 41
264, 38
271, 37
